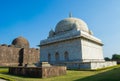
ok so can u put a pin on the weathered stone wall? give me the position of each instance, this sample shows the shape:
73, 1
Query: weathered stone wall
53, 71
31, 55
26, 71
41, 72
11, 56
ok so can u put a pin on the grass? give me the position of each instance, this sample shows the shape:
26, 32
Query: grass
108, 74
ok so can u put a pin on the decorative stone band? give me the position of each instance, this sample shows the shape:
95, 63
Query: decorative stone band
76, 61
93, 60
71, 36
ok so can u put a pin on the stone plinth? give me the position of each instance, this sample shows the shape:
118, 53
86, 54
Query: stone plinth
44, 64
40, 72
89, 65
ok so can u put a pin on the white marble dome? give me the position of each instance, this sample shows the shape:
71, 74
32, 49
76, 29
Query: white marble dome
70, 24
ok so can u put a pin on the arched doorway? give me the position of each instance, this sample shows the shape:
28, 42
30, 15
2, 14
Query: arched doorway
66, 56
57, 58
49, 57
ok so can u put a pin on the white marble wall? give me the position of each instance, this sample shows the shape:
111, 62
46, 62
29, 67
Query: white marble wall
89, 65
91, 51
73, 47
79, 49
98, 65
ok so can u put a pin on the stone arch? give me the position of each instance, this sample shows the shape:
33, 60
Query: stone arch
49, 57
57, 57
66, 56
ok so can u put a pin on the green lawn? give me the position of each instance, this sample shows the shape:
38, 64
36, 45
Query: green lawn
111, 74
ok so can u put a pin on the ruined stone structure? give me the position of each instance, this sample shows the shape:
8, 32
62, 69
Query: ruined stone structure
39, 72
73, 44
18, 53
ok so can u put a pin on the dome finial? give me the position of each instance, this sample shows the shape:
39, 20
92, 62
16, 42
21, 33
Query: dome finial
70, 14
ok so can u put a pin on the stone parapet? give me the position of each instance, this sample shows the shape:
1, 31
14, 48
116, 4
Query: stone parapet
12, 56
40, 72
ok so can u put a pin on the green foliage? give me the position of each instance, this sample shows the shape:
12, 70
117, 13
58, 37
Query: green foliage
107, 59
106, 74
115, 57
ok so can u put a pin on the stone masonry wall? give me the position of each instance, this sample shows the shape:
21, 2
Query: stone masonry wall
40, 72
31, 55
11, 56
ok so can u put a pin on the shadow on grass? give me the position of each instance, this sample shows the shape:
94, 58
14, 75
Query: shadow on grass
20, 76
110, 75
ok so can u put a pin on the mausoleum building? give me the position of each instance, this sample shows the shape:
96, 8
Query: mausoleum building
73, 44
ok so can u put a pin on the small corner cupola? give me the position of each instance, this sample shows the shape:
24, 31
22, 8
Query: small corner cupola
51, 33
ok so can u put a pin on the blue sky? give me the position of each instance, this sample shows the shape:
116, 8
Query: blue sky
33, 19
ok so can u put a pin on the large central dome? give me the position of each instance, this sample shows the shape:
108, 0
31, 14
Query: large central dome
70, 24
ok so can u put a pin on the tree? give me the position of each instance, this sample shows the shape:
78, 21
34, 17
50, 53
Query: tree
107, 59
116, 57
